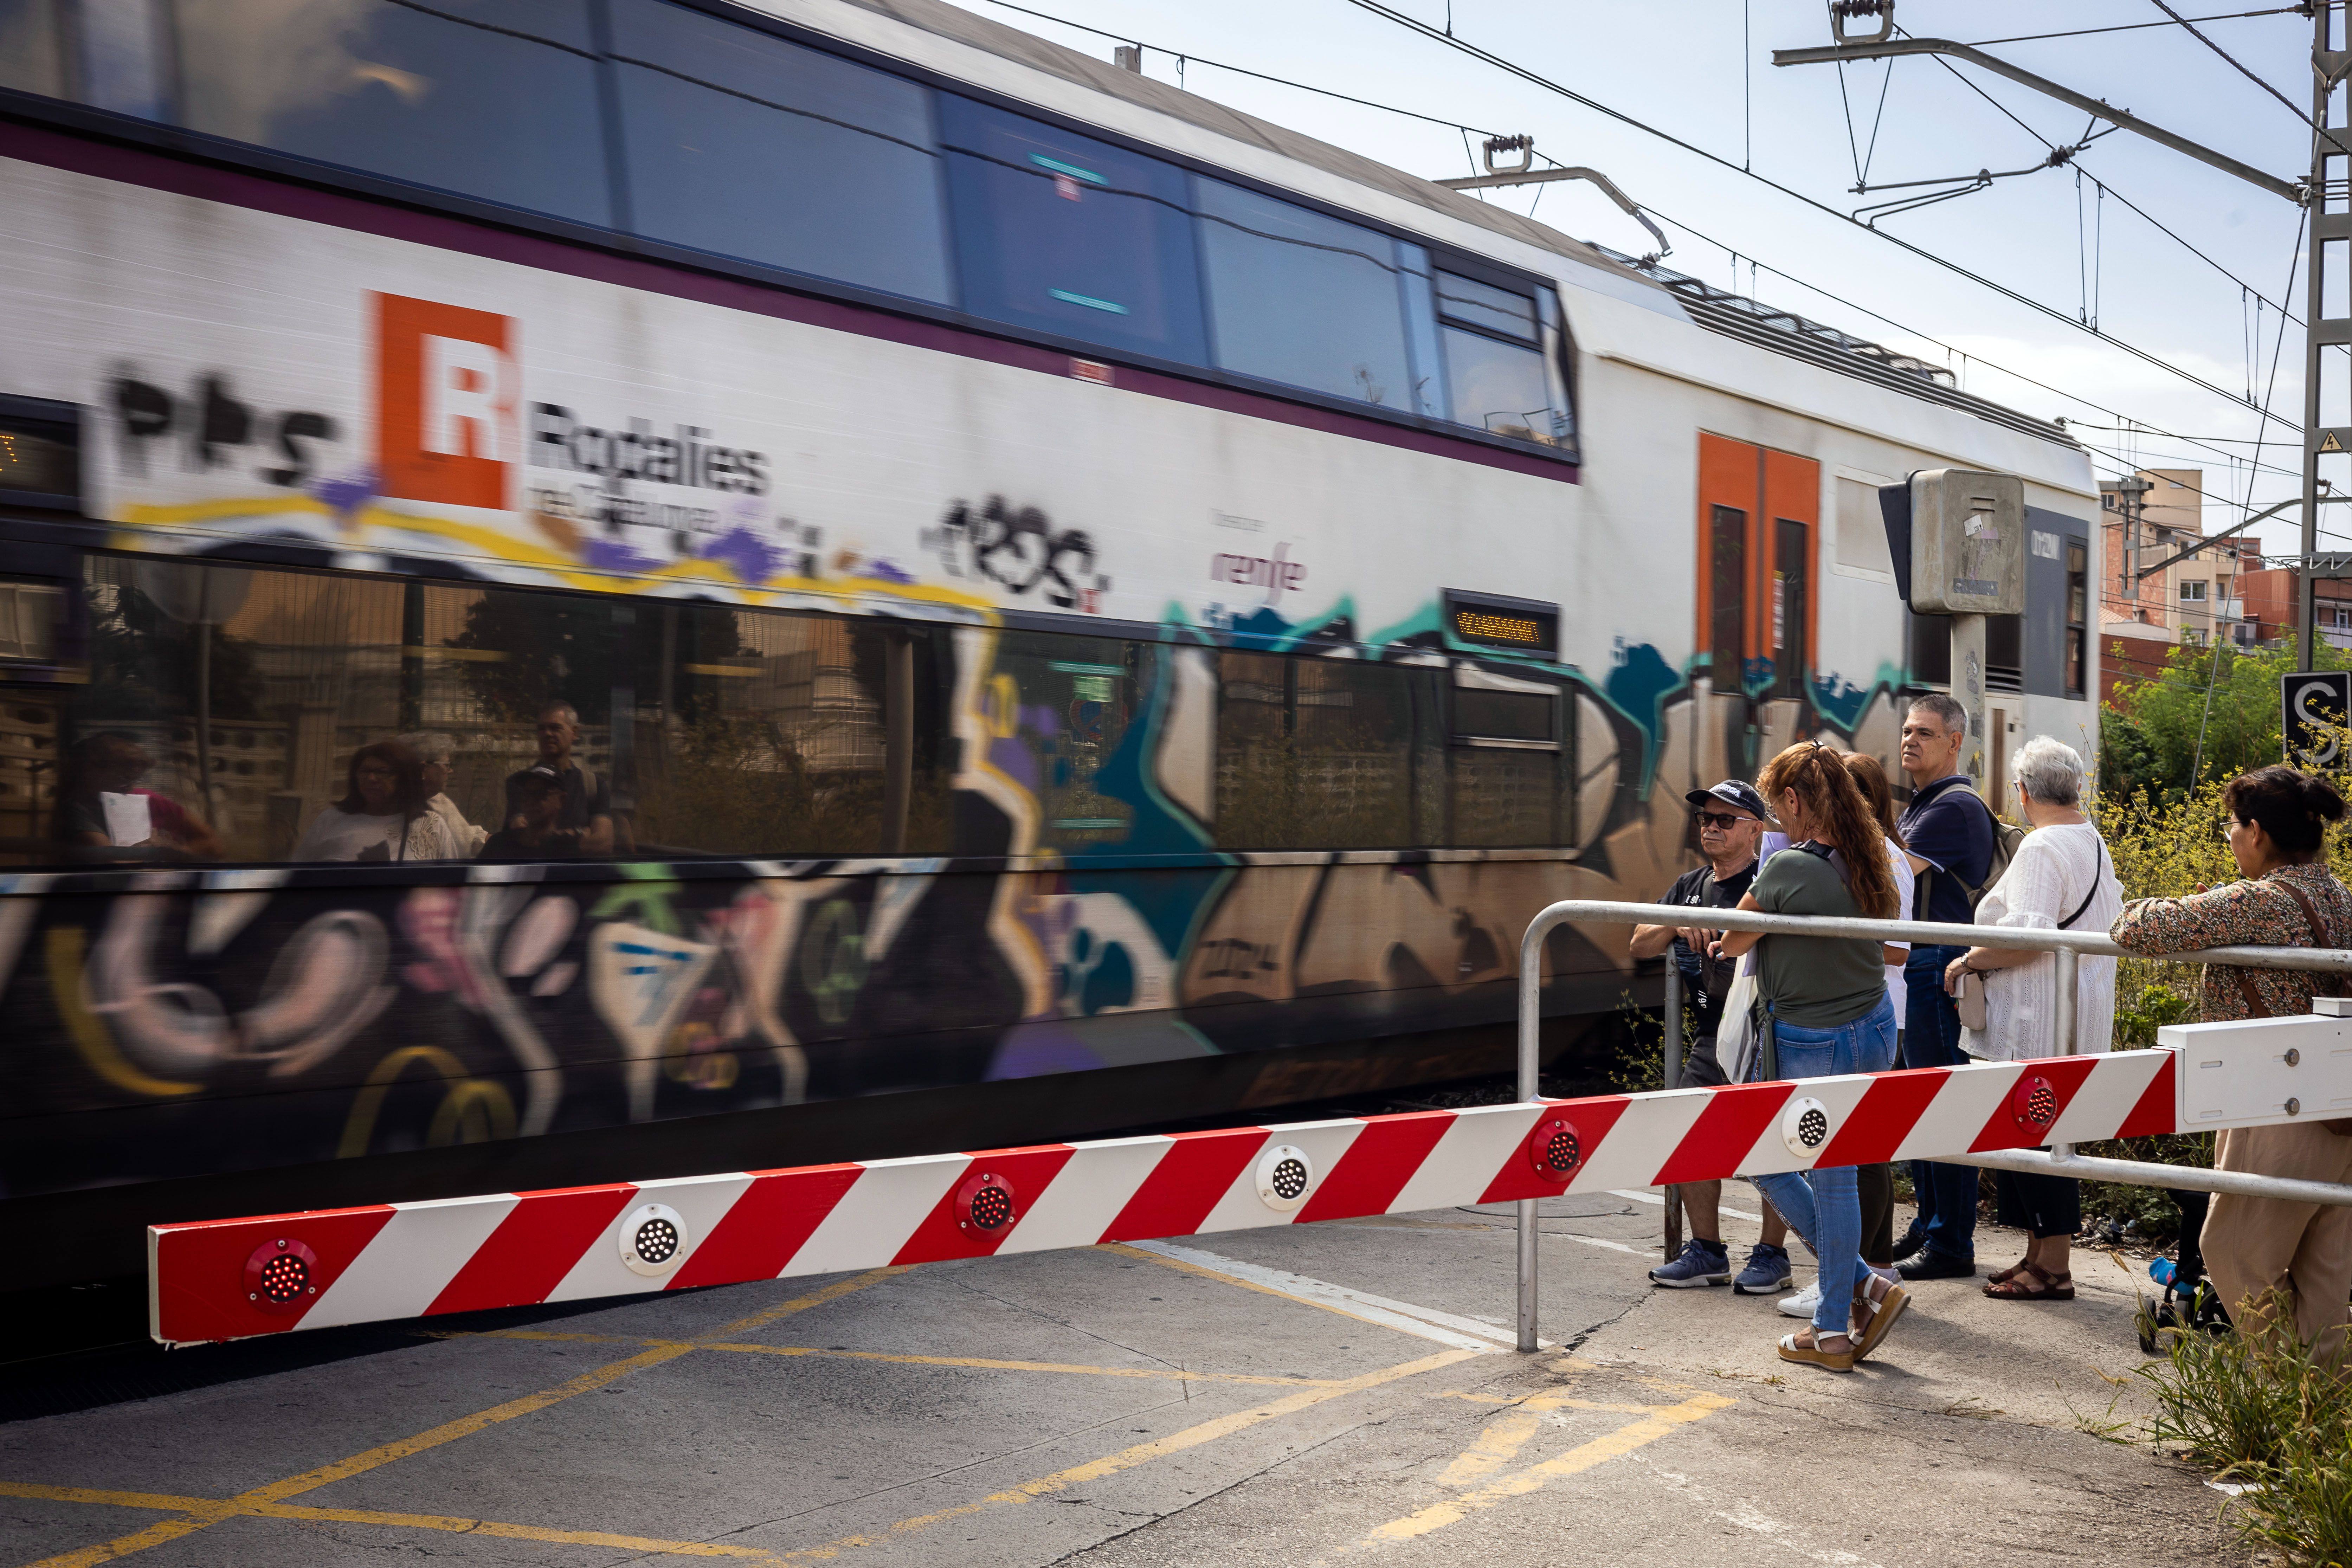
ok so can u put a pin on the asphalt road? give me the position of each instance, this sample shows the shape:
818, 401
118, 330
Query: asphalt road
1297, 1395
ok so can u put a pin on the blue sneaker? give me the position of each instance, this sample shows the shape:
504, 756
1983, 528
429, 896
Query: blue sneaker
1767, 1271
1702, 1263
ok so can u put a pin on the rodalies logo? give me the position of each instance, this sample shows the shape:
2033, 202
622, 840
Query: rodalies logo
447, 389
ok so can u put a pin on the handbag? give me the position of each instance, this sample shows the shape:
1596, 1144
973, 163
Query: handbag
1969, 1001
1734, 1039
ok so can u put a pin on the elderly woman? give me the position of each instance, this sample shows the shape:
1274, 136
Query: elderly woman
438, 753
2059, 880
2277, 827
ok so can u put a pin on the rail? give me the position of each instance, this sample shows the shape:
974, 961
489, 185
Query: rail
2070, 947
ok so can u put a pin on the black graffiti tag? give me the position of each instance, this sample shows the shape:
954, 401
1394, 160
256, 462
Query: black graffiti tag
213, 422
1022, 551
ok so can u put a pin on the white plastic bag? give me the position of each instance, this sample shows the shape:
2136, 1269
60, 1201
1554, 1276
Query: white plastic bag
1734, 1037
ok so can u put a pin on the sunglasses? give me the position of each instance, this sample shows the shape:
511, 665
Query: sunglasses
1725, 820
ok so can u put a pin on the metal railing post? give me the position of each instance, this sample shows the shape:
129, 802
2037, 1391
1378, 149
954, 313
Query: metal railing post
2063, 1026
1531, 947
1674, 1080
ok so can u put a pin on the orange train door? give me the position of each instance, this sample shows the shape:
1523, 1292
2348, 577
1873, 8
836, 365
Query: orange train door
1759, 539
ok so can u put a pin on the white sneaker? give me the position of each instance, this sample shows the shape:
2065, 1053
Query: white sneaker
1803, 1303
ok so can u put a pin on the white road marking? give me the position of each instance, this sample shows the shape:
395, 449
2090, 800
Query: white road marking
1428, 1322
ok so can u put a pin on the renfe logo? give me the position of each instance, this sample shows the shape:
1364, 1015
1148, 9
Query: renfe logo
447, 391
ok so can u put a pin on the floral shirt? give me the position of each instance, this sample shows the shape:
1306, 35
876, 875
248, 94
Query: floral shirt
2249, 915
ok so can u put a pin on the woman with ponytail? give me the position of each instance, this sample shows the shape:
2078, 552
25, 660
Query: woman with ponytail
1823, 999
2278, 831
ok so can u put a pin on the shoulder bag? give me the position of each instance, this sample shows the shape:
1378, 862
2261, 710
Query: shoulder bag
1969, 1003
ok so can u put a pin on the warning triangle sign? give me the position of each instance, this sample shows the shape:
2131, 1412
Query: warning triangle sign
2328, 443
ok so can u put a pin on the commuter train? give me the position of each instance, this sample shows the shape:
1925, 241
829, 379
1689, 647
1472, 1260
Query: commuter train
1074, 607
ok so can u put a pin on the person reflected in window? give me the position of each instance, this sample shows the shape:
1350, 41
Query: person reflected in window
383, 814
437, 754
99, 807
537, 837
586, 819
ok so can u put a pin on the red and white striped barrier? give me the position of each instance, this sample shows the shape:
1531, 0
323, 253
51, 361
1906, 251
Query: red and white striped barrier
226, 1279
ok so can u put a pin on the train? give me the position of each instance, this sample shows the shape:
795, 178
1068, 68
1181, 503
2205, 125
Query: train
1054, 604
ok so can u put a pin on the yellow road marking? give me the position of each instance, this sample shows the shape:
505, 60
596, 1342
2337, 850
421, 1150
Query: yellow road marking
1168, 1374
212, 1512
1184, 1267
1550, 1402
1142, 1453
1661, 1420
250, 1502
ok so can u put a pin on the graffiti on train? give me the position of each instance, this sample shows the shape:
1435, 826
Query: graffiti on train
1020, 550
163, 1025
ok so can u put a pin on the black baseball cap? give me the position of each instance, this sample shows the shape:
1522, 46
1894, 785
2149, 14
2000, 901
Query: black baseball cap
1733, 792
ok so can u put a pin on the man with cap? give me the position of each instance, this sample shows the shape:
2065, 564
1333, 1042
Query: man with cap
1731, 818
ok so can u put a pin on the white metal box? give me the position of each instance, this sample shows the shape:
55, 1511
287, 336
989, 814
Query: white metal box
2247, 1073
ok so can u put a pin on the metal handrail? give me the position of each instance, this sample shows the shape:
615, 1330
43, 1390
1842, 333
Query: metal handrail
2069, 946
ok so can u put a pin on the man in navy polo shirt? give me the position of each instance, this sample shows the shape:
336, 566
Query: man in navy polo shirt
1949, 831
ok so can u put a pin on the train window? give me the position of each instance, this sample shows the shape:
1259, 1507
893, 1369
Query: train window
1067, 235
1504, 769
1059, 708
744, 144
1324, 754
2077, 616
495, 98
1420, 294
1791, 565
29, 56
1302, 298
1728, 560
1495, 376
40, 453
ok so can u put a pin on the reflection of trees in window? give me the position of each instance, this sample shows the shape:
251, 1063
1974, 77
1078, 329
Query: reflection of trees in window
143, 663
1317, 753
542, 647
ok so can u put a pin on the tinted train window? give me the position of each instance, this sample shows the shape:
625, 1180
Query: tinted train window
29, 58
1494, 359
1299, 298
495, 98
1058, 709
1064, 234
746, 145
1324, 754
40, 452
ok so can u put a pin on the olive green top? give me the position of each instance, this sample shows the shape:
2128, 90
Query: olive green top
1815, 982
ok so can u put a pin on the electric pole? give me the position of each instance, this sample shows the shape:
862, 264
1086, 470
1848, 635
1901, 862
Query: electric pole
2328, 196
2329, 221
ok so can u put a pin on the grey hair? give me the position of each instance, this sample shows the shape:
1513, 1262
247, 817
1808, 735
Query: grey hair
1949, 713
2051, 771
430, 744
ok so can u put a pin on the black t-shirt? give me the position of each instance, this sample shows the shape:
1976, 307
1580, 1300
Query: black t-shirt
585, 796
1700, 887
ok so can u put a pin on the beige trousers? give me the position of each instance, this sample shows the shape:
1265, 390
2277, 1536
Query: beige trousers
2254, 1244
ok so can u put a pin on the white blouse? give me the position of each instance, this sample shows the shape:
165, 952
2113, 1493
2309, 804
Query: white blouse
339, 834
2054, 868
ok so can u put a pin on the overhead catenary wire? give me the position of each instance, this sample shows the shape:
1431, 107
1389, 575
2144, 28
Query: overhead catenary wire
1924, 337
2292, 107
2137, 26
1505, 64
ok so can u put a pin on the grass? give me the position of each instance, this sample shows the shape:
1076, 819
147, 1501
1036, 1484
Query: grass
2264, 1408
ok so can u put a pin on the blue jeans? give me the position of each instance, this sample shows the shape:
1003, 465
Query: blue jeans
1822, 1205
1931, 1038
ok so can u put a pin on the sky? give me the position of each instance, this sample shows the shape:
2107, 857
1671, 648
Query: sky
1702, 71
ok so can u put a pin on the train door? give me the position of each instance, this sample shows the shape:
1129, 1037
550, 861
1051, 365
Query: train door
1759, 537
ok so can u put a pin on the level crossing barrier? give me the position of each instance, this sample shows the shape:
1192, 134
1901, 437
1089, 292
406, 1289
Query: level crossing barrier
2245, 1073
234, 1279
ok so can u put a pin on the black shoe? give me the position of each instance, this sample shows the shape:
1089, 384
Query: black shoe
1930, 1264
1913, 1240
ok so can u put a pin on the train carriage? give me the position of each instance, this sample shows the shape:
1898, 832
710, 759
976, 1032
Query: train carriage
1073, 606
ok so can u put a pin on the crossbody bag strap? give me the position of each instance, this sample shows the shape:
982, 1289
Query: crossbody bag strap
2098, 872
2319, 930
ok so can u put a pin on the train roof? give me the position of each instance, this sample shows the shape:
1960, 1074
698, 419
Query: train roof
1012, 43
1673, 293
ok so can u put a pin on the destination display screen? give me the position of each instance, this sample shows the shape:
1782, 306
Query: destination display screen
1496, 622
